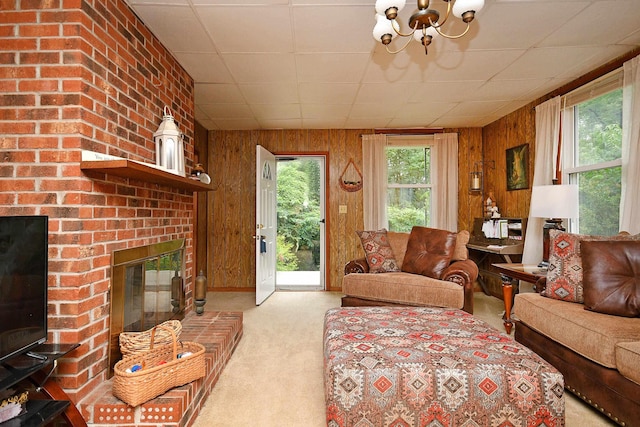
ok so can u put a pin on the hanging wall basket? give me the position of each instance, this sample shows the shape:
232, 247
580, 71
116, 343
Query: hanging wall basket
351, 178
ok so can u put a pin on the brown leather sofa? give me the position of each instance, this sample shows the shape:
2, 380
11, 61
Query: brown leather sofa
454, 289
597, 352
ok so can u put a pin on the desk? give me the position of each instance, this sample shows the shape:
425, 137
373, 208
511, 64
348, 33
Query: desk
511, 274
505, 252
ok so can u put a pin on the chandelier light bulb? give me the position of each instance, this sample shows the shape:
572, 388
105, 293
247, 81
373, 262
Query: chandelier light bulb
466, 9
424, 24
383, 30
383, 5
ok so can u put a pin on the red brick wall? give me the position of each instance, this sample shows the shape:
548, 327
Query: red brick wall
87, 74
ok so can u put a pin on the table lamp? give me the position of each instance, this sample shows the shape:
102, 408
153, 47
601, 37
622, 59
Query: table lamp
554, 203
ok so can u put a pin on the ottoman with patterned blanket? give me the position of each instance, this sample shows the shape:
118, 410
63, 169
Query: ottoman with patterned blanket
423, 366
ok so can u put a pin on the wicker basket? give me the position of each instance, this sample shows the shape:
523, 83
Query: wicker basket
157, 377
134, 342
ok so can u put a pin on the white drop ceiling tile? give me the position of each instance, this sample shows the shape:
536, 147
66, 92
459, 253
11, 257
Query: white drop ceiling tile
546, 63
276, 111
405, 66
519, 24
472, 65
507, 90
425, 111
237, 124
445, 91
271, 93
336, 68
325, 123
332, 29
457, 122
327, 92
472, 108
227, 111
372, 111
245, 2
599, 18
177, 27
366, 123
217, 93
384, 94
280, 124
593, 58
157, 2
261, 68
204, 67
631, 40
332, 111
249, 29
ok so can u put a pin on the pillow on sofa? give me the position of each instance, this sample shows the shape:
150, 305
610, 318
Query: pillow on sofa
429, 251
460, 252
564, 276
612, 277
378, 251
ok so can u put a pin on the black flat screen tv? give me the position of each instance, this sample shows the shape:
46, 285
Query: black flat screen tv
23, 283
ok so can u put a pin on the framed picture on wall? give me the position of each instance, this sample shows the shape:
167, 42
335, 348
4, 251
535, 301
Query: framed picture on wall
518, 167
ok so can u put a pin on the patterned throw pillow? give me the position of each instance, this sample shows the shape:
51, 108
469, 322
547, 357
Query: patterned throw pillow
378, 251
565, 274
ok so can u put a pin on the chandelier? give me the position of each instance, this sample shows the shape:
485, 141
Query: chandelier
424, 24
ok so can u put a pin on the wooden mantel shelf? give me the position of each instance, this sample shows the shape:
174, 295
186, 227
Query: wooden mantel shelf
135, 170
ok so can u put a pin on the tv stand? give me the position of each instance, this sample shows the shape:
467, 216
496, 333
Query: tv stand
33, 369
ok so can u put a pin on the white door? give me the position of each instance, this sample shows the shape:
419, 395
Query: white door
265, 236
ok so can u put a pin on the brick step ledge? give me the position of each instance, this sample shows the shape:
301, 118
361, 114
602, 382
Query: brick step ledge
219, 333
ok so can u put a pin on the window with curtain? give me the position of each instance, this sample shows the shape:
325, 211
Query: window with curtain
592, 125
408, 184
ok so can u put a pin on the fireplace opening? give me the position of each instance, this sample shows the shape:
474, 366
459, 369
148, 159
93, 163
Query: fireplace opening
147, 288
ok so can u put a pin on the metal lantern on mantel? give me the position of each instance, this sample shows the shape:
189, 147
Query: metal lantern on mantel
169, 145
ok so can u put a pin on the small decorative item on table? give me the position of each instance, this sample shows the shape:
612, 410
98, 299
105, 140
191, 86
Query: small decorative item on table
12, 406
201, 293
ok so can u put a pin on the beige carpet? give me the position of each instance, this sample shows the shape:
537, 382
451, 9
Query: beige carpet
274, 378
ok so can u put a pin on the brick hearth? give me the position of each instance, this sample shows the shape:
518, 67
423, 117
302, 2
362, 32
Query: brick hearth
219, 333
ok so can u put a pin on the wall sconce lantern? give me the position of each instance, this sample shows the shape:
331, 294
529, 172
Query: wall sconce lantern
169, 145
476, 178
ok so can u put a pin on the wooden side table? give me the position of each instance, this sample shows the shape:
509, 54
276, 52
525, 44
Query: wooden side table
511, 274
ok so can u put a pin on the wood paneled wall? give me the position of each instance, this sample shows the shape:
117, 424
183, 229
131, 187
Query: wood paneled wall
510, 131
231, 205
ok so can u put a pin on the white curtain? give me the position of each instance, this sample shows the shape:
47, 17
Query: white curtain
444, 196
630, 199
547, 134
374, 182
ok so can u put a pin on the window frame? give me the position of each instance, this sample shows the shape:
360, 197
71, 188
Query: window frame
420, 141
599, 87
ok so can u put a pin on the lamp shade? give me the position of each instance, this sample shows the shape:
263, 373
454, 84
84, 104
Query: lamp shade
383, 27
462, 6
383, 5
554, 201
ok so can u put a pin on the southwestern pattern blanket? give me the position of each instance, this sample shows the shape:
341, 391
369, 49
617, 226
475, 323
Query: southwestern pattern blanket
422, 366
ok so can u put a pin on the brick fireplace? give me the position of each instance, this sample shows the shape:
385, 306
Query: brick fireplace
88, 75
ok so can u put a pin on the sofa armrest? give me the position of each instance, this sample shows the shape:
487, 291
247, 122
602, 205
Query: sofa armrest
540, 285
359, 265
465, 274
